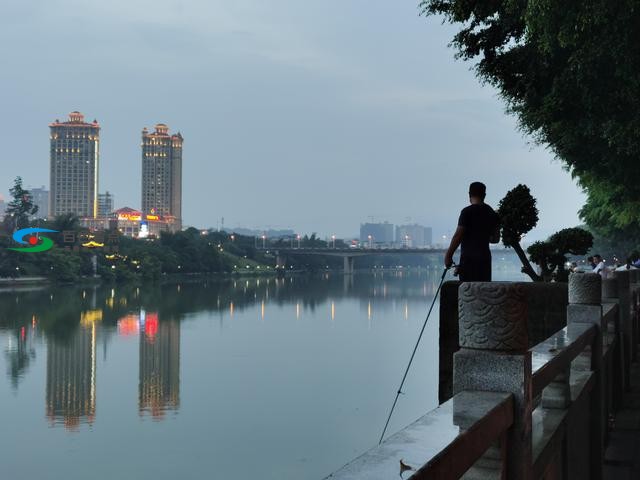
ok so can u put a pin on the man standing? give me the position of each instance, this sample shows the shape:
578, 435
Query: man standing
478, 226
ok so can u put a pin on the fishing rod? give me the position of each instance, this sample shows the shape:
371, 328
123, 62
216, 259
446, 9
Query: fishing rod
404, 377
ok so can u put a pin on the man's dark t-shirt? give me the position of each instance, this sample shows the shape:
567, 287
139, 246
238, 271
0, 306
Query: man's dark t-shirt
479, 222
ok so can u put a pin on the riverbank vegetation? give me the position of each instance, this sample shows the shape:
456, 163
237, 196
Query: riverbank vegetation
187, 252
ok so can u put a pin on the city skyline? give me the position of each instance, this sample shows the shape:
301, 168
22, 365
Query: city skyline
292, 120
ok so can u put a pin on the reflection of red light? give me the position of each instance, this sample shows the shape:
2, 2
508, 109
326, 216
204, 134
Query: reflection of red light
128, 325
23, 333
151, 326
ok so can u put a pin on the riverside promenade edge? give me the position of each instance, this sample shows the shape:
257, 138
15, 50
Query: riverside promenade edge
563, 407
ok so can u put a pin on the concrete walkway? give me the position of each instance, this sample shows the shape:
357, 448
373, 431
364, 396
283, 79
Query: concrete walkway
622, 457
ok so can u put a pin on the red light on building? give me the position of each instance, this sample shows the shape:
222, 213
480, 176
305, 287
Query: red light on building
151, 326
127, 213
129, 325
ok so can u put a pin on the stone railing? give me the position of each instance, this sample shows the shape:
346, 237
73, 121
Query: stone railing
520, 411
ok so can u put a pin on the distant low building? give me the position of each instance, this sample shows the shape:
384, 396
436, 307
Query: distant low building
413, 236
105, 204
376, 234
40, 197
270, 233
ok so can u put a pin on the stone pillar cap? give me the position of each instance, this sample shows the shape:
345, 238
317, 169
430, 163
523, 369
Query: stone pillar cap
623, 277
585, 288
493, 316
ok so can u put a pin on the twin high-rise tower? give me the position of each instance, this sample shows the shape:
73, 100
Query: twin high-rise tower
75, 147
162, 173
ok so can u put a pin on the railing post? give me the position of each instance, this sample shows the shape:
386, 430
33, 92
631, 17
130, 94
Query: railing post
585, 306
494, 356
624, 296
617, 290
634, 277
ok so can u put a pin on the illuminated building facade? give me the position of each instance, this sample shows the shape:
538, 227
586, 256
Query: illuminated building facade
159, 387
74, 155
71, 378
162, 174
132, 223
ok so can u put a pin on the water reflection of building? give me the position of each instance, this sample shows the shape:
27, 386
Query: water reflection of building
159, 387
71, 378
20, 352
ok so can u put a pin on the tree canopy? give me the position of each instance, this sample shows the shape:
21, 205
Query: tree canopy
20, 208
518, 216
569, 71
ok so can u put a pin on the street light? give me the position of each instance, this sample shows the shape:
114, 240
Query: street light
298, 238
264, 239
370, 237
333, 240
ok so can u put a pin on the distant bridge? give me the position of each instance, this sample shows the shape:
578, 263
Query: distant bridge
347, 253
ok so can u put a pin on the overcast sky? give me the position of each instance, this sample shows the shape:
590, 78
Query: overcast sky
309, 115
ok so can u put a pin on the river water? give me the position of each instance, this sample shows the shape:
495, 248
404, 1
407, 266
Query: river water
245, 378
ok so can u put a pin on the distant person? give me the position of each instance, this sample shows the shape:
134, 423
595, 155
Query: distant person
599, 268
627, 266
591, 262
478, 226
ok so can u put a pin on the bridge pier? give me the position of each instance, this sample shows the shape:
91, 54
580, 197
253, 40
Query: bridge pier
348, 265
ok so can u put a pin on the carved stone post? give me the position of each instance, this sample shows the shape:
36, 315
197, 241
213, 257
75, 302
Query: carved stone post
610, 295
585, 306
494, 356
624, 302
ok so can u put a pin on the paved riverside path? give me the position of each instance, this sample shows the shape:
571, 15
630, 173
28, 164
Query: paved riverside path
622, 457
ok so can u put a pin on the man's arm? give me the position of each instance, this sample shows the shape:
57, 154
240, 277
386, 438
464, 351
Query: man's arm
495, 235
456, 240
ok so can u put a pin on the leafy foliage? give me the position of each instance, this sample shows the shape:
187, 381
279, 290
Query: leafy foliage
19, 209
518, 214
551, 255
569, 72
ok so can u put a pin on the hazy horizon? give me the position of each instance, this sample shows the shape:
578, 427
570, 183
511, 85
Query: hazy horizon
314, 117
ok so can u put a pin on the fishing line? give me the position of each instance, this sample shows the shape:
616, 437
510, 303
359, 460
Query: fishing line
404, 377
